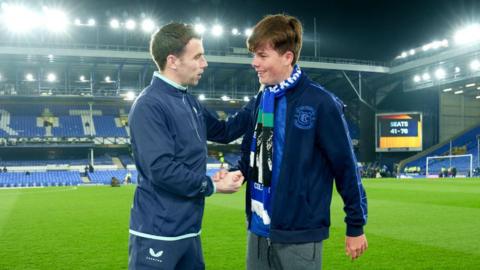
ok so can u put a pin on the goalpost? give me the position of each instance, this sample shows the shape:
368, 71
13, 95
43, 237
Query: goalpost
462, 163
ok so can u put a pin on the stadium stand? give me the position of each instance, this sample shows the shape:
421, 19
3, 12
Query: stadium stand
463, 143
39, 179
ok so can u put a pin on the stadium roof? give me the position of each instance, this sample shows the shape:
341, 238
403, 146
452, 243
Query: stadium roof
368, 29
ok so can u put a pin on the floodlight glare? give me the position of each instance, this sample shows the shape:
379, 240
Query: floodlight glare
246, 99
403, 55
108, 79
77, 22
475, 65
55, 20
201, 97
235, 31
217, 30
200, 28
417, 78
440, 73
18, 19
248, 32
148, 25
82, 78
225, 98
411, 52
51, 77
436, 44
445, 43
91, 22
457, 70
114, 23
130, 95
29, 77
426, 76
467, 35
130, 24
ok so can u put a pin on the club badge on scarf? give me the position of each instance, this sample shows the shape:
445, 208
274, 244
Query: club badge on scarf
261, 150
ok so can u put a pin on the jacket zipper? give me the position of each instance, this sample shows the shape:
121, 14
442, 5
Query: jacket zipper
193, 119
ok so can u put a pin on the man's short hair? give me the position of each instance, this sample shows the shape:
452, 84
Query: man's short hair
282, 32
171, 39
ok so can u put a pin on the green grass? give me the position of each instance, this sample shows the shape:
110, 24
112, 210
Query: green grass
413, 224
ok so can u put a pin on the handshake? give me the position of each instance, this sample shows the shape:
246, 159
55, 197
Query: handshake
227, 182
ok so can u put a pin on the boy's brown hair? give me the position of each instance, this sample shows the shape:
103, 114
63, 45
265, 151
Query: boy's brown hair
282, 32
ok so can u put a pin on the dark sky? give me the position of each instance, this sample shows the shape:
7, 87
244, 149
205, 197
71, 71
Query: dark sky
361, 29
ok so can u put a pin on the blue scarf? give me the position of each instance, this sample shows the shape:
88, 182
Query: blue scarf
261, 150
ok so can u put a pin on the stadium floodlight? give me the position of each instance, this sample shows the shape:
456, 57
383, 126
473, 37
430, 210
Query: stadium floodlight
447, 90
82, 78
411, 52
130, 95
417, 78
91, 22
200, 28
201, 97
217, 30
77, 22
470, 85
108, 79
235, 32
403, 55
148, 25
225, 98
426, 76
458, 92
440, 74
246, 99
436, 44
457, 69
477, 97
55, 20
248, 32
445, 43
426, 47
51, 77
114, 23
467, 35
18, 19
130, 24
29, 77
475, 65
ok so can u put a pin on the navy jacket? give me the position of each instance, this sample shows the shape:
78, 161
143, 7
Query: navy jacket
317, 150
169, 129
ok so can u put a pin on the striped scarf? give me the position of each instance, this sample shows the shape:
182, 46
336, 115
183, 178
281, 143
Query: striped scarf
261, 150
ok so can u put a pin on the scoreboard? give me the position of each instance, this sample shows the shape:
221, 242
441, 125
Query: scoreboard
398, 132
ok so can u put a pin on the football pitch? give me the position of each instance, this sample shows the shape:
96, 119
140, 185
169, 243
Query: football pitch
413, 224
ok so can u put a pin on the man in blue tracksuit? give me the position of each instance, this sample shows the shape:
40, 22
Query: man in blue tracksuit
169, 129
296, 145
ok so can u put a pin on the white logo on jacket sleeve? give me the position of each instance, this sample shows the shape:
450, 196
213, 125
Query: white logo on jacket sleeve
157, 254
304, 117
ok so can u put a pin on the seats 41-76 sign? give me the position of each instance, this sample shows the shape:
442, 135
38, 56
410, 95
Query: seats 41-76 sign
398, 132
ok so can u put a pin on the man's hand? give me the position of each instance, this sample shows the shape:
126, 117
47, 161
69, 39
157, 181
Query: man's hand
355, 246
229, 183
219, 175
